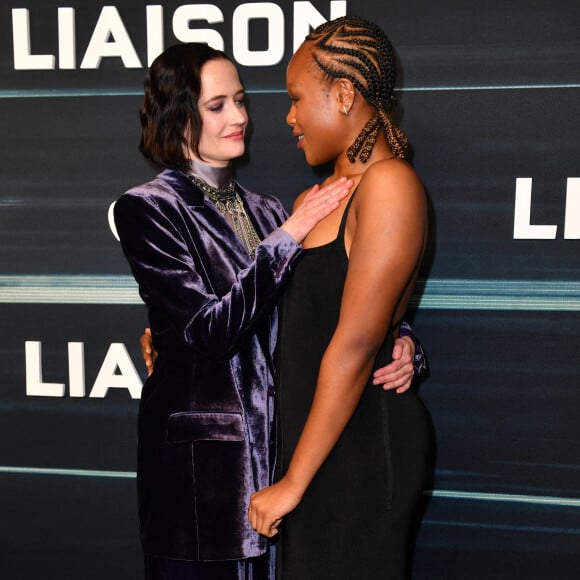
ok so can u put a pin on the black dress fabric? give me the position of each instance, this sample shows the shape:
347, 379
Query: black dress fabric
355, 519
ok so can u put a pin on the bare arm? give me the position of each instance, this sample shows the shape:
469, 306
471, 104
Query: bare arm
399, 373
386, 248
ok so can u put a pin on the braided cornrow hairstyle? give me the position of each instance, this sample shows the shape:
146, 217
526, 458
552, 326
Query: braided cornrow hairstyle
358, 50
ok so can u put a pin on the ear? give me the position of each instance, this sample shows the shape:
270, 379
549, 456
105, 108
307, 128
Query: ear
345, 94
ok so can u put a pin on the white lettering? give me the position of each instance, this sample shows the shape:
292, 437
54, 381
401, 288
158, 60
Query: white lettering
35, 387
523, 229
117, 357
110, 25
111, 218
116, 372
155, 41
307, 17
204, 12
572, 219
76, 369
67, 58
241, 24
110, 38
23, 57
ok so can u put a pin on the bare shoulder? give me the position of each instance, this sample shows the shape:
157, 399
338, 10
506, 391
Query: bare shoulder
392, 179
390, 194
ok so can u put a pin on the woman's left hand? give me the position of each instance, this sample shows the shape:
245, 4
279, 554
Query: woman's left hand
399, 373
269, 505
148, 351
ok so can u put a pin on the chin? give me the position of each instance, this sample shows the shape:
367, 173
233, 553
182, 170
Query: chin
237, 152
314, 162
309, 160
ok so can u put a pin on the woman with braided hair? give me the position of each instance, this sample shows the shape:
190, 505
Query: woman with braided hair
211, 259
353, 459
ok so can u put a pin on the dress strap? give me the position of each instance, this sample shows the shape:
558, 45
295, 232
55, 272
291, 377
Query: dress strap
342, 227
339, 243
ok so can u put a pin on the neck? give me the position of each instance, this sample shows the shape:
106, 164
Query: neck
217, 177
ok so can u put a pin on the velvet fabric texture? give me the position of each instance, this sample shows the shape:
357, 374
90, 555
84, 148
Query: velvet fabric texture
249, 569
206, 412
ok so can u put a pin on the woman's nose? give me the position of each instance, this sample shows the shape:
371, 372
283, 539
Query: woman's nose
240, 116
291, 116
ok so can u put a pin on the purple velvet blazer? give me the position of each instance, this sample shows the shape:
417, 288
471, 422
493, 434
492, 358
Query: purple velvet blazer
206, 412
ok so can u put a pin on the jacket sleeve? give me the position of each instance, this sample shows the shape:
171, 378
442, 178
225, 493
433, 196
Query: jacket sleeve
420, 361
173, 278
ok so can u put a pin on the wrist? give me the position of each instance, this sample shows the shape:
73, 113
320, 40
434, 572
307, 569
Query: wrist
296, 486
291, 231
420, 359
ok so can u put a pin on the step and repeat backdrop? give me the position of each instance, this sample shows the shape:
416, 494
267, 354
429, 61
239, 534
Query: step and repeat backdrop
490, 99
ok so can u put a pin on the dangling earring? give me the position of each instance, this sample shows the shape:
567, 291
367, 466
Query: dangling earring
344, 110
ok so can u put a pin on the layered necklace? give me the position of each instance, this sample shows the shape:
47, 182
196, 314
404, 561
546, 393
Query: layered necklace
217, 183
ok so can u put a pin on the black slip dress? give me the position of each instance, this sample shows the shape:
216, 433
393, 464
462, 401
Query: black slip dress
355, 520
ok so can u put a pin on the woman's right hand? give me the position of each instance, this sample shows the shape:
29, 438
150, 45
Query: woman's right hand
317, 204
148, 352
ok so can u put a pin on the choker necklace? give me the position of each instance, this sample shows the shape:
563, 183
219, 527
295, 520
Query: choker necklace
228, 202
216, 194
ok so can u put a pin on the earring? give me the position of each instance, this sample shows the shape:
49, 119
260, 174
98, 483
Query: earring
344, 110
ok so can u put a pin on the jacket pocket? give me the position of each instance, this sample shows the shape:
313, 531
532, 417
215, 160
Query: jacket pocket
204, 426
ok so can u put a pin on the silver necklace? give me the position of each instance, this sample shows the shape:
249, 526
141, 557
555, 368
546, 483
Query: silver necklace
229, 203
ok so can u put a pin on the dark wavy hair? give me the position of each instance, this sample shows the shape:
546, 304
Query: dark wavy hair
170, 118
356, 49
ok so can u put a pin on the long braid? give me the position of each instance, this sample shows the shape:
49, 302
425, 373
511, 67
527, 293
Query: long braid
358, 50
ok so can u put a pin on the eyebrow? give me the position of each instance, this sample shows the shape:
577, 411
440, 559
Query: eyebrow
219, 97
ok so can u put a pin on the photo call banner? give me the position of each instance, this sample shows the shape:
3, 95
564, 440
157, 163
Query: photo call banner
489, 96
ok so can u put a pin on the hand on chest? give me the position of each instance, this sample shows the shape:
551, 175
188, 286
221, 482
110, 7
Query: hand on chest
327, 230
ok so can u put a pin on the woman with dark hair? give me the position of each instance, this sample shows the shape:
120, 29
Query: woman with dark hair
211, 259
353, 458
